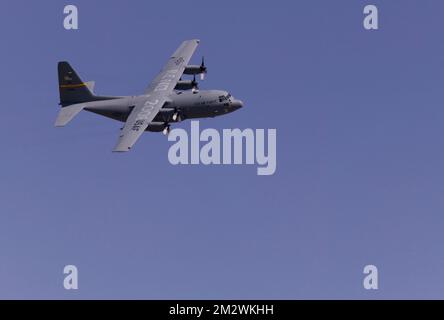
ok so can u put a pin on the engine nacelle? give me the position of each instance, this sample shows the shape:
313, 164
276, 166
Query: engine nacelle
156, 126
166, 112
193, 69
186, 85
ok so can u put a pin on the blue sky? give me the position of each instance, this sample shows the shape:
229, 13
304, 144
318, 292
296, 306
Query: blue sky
359, 118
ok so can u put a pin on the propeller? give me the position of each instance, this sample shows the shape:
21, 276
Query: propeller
203, 69
195, 85
176, 116
167, 130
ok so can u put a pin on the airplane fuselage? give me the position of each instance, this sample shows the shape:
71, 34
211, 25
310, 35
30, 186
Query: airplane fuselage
181, 105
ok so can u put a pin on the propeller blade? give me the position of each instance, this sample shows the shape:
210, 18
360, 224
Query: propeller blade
203, 69
195, 84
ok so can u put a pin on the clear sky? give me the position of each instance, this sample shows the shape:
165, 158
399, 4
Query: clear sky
360, 174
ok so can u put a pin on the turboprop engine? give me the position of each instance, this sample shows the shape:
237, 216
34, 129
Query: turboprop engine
159, 127
195, 69
168, 115
187, 85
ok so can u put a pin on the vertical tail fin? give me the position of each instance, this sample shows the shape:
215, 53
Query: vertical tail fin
72, 89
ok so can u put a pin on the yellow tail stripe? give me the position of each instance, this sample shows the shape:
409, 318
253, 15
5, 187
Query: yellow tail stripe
73, 85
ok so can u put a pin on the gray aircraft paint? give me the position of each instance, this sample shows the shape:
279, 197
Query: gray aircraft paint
153, 111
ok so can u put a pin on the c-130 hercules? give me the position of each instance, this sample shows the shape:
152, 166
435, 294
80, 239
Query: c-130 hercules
167, 99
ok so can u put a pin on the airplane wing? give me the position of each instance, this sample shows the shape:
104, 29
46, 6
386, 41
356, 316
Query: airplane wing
148, 105
143, 113
66, 114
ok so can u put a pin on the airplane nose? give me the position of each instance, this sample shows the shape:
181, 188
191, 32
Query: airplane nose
237, 104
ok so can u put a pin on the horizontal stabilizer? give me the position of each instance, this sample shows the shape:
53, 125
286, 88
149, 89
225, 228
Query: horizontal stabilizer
90, 85
66, 114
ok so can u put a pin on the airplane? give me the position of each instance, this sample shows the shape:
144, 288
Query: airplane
168, 99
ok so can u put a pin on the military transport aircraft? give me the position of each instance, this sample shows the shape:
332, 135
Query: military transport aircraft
167, 99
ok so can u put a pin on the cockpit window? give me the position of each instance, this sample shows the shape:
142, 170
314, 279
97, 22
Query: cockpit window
224, 98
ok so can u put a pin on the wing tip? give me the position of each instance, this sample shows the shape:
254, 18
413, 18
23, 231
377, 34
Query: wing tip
121, 150
121, 147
